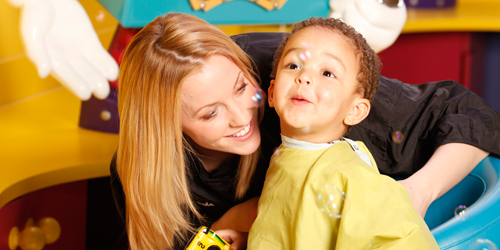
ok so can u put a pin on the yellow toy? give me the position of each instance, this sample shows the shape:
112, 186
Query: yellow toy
206, 239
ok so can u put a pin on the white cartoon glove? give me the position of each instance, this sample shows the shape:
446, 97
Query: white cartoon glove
379, 21
60, 39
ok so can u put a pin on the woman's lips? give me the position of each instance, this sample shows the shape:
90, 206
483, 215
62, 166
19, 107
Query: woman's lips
244, 133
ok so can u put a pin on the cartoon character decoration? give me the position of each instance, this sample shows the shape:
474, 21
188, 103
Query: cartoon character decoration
207, 5
60, 40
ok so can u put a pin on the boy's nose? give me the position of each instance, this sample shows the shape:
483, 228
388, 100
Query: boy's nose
299, 81
303, 78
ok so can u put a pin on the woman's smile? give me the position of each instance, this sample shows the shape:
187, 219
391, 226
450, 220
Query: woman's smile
244, 133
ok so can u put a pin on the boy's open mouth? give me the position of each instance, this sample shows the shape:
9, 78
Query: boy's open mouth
299, 100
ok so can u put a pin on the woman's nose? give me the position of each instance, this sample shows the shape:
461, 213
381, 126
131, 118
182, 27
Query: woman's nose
239, 114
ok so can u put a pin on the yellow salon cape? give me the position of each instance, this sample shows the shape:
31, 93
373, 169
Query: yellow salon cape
377, 211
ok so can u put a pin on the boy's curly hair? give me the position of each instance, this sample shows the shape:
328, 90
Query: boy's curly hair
369, 63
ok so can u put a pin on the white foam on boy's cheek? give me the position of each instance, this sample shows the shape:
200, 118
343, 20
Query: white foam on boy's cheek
302, 57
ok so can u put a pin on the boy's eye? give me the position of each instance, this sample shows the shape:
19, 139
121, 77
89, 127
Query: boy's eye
292, 66
212, 114
328, 74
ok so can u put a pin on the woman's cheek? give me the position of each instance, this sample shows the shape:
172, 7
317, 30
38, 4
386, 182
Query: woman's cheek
217, 130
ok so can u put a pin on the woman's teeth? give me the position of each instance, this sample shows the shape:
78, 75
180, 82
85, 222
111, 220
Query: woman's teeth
242, 132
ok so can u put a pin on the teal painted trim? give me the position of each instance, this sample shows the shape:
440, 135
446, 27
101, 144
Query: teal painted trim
137, 13
114, 7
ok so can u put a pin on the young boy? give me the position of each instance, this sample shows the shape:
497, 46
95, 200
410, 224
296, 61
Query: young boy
323, 191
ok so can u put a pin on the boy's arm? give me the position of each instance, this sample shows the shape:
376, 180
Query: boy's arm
448, 165
239, 217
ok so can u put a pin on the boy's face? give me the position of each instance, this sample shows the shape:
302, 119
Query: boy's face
314, 91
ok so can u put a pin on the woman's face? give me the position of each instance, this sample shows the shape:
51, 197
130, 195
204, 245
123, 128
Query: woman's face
218, 108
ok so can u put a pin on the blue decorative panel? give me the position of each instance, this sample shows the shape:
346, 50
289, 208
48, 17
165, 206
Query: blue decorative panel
137, 13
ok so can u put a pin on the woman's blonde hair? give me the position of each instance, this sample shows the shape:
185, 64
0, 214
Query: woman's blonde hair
151, 159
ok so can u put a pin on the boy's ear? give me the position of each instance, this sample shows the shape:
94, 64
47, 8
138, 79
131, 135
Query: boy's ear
270, 94
358, 112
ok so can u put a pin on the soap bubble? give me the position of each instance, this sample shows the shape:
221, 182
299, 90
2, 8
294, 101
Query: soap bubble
331, 201
300, 58
258, 97
483, 244
461, 212
303, 54
397, 137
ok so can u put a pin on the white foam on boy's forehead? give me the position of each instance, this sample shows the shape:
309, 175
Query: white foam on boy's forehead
306, 44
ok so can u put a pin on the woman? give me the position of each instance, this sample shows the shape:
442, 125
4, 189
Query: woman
189, 135
186, 113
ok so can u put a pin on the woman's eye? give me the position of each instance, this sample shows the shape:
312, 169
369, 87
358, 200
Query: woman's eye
328, 74
242, 88
212, 114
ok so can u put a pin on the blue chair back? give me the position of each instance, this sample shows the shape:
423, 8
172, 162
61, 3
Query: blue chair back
480, 193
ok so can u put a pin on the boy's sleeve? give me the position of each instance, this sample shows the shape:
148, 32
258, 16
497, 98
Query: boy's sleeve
426, 116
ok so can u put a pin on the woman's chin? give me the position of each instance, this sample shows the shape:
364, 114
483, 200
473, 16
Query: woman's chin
249, 146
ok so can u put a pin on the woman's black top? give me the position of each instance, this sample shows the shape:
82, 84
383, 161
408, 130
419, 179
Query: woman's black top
406, 124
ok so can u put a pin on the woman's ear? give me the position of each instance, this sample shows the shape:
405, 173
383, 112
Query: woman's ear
358, 112
270, 94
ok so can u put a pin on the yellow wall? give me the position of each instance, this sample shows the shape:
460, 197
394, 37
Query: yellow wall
238, 29
18, 76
